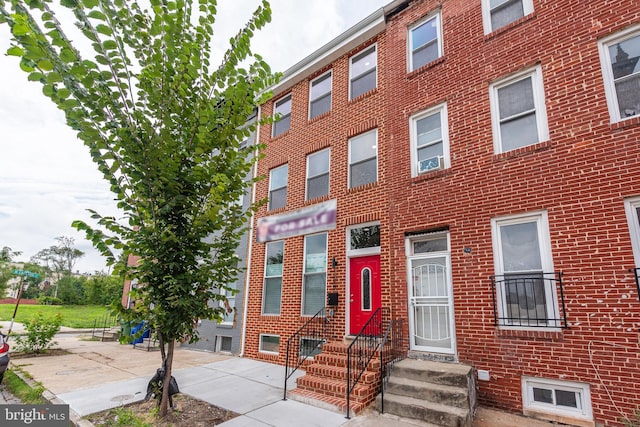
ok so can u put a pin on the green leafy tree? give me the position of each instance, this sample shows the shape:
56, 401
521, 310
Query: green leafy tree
164, 125
103, 289
59, 259
6, 269
71, 290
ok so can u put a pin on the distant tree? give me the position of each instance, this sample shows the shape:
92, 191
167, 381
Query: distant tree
7, 256
103, 289
71, 290
59, 259
165, 128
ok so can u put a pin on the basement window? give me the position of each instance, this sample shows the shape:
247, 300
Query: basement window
553, 399
269, 343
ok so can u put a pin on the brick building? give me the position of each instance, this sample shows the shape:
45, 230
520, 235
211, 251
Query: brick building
470, 166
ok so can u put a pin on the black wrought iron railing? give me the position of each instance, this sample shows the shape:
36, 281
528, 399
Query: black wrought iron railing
363, 348
104, 328
529, 300
393, 348
304, 343
636, 273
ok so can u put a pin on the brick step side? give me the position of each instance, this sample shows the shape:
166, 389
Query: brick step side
337, 388
445, 394
330, 403
339, 372
431, 412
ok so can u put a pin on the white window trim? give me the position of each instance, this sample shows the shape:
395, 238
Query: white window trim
413, 132
307, 177
527, 6
582, 389
607, 73
538, 101
427, 18
260, 343
275, 107
546, 260
374, 46
360, 252
630, 206
271, 187
330, 72
349, 159
304, 267
265, 277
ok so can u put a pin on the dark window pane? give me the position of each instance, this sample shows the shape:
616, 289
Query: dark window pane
278, 198
542, 395
525, 298
425, 54
505, 13
270, 343
365, 237
317, 186
518, 133
624, 57
425, 246
566, 398
320, 106
282, 125
314, 293
363, 84
366, 289
364, 173
628, 94
225, 343
272, 292
516, 98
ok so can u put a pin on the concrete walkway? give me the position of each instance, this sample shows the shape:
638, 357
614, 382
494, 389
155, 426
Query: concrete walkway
95, 376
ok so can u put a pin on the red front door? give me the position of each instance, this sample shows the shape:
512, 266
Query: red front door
364, 287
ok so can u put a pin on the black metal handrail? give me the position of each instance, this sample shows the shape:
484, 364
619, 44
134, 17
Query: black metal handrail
363, 348
529, 300
393, 348
636, 273
304, 343
103, 324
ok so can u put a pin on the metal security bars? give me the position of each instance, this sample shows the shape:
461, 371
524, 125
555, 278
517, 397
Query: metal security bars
304, 343
529, 300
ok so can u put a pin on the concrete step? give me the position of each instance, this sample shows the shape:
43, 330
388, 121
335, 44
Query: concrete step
452, 374
445, 394
430, 412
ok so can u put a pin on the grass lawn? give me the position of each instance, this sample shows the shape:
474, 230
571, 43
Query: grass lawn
73, 316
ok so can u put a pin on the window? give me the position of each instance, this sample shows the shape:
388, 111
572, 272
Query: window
554, 397
518, 111
315, 277
364, 237
620, 57
278, 187
362, 72
318, 174
320, 95
633, 217
363, 159
498, 13
525, 283
282, 108
223, 343
425, 42
230, 305
273, 277
429, 140
310, 347
365, 283
269, 343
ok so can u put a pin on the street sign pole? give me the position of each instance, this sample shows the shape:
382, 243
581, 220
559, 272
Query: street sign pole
23, 280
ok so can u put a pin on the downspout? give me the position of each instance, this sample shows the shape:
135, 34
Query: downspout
250, 243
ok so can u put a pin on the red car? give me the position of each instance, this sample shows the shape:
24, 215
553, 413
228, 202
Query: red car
4, 355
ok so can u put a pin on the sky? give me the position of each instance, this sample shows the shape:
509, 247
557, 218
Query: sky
47, 178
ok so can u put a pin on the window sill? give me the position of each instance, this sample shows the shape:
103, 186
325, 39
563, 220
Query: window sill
363, 187
508, 27
548, 334
522, 151
364, 95
440, 173
225, 325
414, 73
280, 135
276, 210
319, 117
318, 199
626, 123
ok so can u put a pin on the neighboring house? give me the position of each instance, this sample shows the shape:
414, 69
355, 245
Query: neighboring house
471, 166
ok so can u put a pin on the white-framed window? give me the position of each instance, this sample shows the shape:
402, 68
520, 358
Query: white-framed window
363, 159
518, 112
269, 343
314, 281
320, 95
425, 42
620, 58
318, 174
555, 397
429, 132
363, 239
273, 267
363, 75
283, 109
224, 343
229, 305
525, 281
498, 13
278, 178
632, 207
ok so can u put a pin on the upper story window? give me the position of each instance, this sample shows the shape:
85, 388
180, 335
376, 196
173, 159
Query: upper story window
278, 178
362, 72
363, 159
632, 207
320, 95
425, 42
318, 174
518, 112
314, 279
498, 13
273, 277
283, 108
429, 140
620, 57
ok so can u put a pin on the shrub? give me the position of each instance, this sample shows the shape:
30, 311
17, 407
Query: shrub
49, 300
39, 334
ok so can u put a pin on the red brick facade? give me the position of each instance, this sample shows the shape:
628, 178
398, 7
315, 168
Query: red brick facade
579, 176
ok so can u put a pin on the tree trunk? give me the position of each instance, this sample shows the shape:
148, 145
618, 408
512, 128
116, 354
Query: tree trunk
164, 403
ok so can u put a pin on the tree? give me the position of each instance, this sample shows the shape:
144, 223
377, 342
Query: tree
103, 289
6, 270
165, 128
60, 259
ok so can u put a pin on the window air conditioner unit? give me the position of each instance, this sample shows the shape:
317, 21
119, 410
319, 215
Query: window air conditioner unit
430, 164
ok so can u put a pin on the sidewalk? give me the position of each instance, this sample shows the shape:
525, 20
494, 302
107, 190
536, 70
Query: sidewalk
95, 376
